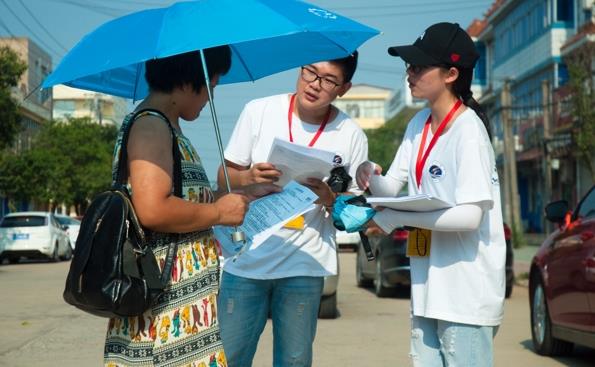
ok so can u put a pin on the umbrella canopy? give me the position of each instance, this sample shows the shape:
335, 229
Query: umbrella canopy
266, 37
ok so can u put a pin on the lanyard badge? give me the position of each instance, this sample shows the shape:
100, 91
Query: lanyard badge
423, 157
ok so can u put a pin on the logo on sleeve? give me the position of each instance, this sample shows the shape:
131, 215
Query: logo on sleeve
436, 171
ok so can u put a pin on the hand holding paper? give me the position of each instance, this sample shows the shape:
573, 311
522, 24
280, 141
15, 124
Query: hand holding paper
266, 216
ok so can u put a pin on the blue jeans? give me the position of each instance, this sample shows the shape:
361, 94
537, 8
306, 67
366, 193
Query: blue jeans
244, 305
438, 343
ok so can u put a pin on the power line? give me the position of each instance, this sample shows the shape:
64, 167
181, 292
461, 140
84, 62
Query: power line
420, 12
39, 39
416, 5
42, 26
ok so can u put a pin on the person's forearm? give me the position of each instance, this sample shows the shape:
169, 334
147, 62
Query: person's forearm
176, 215
386, 186
235, 178
461, 218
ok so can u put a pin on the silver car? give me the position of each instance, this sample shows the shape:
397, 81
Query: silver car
33, 235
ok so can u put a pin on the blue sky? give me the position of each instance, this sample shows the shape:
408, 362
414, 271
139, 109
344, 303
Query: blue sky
57, 25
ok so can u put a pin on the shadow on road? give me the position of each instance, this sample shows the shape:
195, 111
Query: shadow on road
580, 356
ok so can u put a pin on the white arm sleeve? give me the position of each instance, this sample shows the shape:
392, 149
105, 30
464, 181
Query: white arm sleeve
385, 185
461, 218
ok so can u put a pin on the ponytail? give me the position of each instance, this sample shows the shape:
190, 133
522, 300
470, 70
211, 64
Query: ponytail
462, 89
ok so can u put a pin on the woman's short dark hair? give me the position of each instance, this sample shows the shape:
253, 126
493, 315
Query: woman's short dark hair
165, 74
348, 65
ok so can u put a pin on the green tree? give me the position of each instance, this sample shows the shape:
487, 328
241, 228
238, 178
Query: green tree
583, 108
11, 69
384, 141
69, 163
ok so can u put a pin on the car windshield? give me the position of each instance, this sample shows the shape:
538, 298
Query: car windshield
66, 221
24, 221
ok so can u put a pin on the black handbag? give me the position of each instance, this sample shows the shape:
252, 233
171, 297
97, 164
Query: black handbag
113, 271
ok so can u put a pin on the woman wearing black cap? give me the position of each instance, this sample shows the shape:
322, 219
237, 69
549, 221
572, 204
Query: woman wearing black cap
457, 254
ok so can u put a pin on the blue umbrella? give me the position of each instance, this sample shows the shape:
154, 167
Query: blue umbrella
265, 36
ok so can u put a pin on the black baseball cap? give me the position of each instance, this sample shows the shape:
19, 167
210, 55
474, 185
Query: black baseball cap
440, 44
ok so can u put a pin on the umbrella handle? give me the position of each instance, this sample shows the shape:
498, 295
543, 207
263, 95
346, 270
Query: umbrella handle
237, 235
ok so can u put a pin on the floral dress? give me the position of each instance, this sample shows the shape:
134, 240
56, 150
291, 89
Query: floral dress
181, 329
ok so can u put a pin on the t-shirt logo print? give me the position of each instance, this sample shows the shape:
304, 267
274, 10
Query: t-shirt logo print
436, 171
421, 37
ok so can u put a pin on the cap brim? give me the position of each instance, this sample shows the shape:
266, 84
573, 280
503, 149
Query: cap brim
412, 55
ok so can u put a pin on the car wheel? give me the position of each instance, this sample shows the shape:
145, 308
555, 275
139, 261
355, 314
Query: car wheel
55, 255
379, 288
360, 279
68, 255
328, 307
541, 326
508, 291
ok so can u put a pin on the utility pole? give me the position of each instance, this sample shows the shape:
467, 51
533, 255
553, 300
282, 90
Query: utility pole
547, 137
510, 166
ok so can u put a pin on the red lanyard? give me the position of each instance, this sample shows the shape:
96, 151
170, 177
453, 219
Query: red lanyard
419, 164
320, 129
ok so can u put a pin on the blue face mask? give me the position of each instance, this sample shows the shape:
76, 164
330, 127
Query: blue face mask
351, 214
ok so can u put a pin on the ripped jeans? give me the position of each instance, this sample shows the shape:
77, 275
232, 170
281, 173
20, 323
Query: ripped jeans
244, 305
438, 343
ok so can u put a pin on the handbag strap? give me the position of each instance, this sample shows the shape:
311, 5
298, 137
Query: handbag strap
122, 174
154, 281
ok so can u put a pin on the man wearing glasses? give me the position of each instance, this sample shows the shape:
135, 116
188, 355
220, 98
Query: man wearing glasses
284, 276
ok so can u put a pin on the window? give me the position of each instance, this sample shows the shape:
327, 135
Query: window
565, 11
23, 221
587, 208
352, 110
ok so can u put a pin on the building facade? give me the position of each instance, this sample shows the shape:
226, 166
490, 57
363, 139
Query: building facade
77, 103
520, 42
35, 105
365, 104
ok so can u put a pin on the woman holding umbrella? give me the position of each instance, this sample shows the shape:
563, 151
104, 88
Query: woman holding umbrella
457, 254
181, 329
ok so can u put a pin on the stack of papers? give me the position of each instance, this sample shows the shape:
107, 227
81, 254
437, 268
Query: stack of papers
413, 203
266, 216
298, 162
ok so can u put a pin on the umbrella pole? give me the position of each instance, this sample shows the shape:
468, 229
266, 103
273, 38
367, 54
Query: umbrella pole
237, 236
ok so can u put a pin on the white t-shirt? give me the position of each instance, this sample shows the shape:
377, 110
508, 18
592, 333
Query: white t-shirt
289, 252
463, 279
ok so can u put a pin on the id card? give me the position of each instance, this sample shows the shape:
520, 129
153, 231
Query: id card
419, 242
295, 223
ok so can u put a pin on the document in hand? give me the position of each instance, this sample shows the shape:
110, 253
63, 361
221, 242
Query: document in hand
298, 162
413, 203
266, 216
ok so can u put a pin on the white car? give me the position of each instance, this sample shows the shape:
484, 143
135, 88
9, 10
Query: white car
33, 235
73, 227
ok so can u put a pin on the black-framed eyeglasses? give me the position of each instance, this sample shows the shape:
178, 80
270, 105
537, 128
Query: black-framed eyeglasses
416, 69
310, 76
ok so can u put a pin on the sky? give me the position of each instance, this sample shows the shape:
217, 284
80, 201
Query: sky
57, 25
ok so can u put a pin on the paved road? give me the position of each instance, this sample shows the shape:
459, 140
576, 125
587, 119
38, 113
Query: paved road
38, 329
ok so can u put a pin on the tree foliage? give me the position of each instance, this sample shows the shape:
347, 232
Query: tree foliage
11, 69
69, 163
583, 108
384, 141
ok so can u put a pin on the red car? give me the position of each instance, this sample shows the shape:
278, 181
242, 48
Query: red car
562, 280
